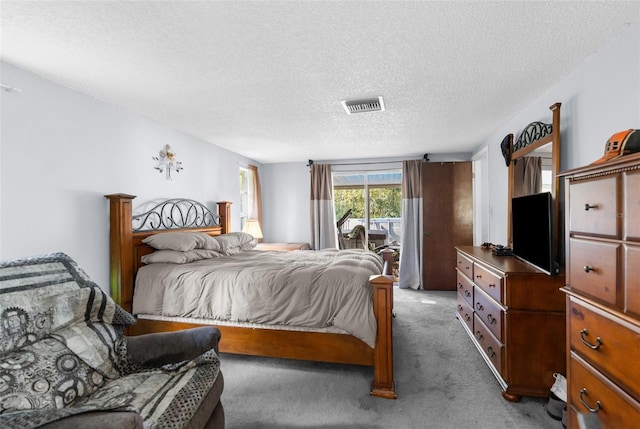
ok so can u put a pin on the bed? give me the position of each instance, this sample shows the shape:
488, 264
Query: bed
129, 236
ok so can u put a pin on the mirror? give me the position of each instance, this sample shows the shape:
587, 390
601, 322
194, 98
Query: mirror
533, 172
534, 164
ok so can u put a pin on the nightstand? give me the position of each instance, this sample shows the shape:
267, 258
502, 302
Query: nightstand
283, 247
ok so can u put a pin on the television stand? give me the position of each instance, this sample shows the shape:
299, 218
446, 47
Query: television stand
515, 316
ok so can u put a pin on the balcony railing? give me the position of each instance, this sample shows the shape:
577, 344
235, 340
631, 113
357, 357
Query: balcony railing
391, 227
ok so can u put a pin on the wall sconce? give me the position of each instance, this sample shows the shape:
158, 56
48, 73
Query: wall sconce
166, 161
252, 226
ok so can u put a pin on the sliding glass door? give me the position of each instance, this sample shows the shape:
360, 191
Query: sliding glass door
368, 208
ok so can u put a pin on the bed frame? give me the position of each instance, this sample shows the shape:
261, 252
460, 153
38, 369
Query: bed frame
126, 249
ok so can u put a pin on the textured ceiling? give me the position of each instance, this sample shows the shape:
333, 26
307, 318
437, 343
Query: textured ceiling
265, 79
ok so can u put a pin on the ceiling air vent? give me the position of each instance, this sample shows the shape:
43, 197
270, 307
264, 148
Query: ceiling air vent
359, 106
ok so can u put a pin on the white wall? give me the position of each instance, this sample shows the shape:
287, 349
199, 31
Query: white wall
62, 151
599, 98
286, 203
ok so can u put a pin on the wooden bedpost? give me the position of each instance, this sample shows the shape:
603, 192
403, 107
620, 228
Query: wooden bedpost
383, 386
121, 249
387, 260
224, 211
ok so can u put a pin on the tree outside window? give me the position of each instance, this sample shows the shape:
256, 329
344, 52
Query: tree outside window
375, 199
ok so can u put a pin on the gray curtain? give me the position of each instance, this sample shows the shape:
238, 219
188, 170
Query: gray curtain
532, 175
411, 246
528, 176
324, 232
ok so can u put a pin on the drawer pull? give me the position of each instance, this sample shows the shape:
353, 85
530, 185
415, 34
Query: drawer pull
587, 207
459, 307
585, 333
478, 276
467, 294
491, 319
595, 409
467, 317
491, 352
479, 306
460, 285
478, 336
587, 269
492, 285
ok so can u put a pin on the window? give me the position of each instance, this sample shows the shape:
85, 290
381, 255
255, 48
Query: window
250, 194
375, 201
245, 195
547, 176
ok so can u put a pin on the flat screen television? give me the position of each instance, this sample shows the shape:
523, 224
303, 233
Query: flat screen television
532, 229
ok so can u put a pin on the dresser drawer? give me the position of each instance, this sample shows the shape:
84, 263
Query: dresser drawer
465, 287
465, 313
489, 312
632, 206
594, 207
632, 279
491, 347
593, 269
488, 281
592, 393
465, 265
609, 344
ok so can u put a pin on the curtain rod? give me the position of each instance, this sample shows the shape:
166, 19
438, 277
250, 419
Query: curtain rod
425, 157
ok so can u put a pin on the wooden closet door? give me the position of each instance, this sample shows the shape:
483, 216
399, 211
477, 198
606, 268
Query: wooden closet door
447, 211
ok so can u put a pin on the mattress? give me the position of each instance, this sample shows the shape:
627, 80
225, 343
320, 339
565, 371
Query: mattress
302, 289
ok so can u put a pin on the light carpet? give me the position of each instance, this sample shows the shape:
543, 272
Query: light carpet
442, 382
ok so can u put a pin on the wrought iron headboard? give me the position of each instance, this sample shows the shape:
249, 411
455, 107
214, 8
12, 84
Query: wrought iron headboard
175, 213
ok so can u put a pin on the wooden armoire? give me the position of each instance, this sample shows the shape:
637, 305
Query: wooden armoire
447, 212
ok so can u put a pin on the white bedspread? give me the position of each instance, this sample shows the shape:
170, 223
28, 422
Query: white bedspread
302, 288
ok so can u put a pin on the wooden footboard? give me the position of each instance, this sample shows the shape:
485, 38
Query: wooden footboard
127, 248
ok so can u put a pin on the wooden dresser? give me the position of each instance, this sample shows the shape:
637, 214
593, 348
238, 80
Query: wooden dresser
603, 292
515, 316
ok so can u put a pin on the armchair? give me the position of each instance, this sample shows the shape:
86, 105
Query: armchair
64, 361
154, 350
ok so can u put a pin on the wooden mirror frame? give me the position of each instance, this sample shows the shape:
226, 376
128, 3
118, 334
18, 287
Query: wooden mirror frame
534, 136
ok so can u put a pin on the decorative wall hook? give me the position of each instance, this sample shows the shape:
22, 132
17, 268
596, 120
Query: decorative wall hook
166, 161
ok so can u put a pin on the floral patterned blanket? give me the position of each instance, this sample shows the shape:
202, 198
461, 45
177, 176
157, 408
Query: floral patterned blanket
62, 352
